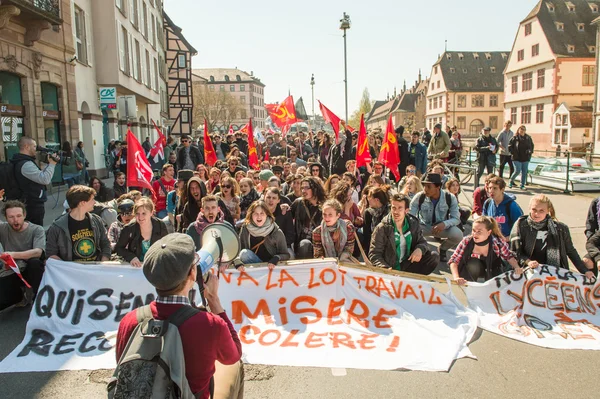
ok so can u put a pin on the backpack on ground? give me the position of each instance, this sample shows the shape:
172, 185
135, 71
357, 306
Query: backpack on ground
8, 182
153, 363
448, 202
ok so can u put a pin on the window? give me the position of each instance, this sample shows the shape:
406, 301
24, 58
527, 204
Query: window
80, 37
494, 122
480, 70
469, 84
570, 48
144, 20
493, 69
528, 29
550, 7
156, 85
136, 60
515, 84
133, 12
222, 88
183, 89
431, 103
181, 60
594, 8
211, 88
539, 113
435, 70
460, 56
541, 78
571, 7
242, 87
494, 100
120, 4
535, 50
561, 136
527, 81
455, 84
520, 55
243, 114
461, 122
592, 49
488, 56
513, 115
485, 84
464, 70
435, 102
477, 100
123, 50
185, 118
461, 101
231, 87
587, 103
526, 114
560, 26
589, 75
581, 27
432, 86
438, 84
476, 56
452, 70
243, 99
449, 56
151, 36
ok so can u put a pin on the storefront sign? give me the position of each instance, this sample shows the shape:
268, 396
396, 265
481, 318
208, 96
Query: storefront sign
108, 97
11, 110
51, 114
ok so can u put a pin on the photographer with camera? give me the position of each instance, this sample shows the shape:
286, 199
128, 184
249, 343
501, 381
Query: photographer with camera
209, 342
32, 180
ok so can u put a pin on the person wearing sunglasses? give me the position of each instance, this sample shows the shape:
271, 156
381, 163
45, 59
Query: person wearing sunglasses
230, 194
125, 215
233, 165
411, 170
188, 156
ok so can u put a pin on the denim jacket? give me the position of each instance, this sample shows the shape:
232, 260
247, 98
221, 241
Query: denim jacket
425, 214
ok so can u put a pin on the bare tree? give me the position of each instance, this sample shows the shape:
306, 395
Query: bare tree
219, 108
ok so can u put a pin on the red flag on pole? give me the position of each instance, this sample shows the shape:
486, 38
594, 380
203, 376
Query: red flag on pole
210, 156
10, 263
158, 150
252, 155
363, 155
230, 129
389, 155
284, 113
139, 172
332, 118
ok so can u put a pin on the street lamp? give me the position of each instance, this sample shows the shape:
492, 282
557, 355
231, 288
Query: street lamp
345, 25
312, 88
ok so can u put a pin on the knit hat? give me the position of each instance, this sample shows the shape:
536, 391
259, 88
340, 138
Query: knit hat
168, 261
265, 175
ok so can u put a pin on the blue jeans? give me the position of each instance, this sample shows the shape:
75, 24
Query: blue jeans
161, 214
248, 257
520, 167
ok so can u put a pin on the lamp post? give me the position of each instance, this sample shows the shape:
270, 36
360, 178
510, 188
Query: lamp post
312, 88
345, 25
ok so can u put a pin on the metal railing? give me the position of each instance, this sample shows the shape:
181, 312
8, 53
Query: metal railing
47, 8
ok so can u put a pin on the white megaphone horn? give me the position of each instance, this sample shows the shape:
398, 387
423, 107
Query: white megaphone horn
220, 242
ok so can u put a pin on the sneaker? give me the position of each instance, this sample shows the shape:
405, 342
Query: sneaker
523, 188
510, 185
27, 298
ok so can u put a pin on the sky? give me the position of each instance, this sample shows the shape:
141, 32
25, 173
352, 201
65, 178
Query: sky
284, 42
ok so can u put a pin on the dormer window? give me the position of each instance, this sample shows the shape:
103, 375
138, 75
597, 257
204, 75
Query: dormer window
498, 84
493, 69
469, 84
485, 84
581, 27
528, 29
460, 56
488, 56
592, 49
227, 78
560, 26
550, 7
452, 70
435, 70
570, 6
594, 8
570, 48
476, 56
464, 70
480, 70
455, 84
238, 78
504, 56
212, 78
449, 56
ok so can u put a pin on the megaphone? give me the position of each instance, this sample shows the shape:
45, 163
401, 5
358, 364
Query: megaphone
219, 242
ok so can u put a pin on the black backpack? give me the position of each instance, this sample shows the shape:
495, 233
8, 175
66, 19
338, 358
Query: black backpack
8, 181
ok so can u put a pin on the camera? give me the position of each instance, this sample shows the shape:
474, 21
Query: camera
44, 154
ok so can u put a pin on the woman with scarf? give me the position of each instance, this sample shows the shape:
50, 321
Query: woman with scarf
248, 195
341, 152
261, 240
334, 237
480, 255
379, 206
540, 239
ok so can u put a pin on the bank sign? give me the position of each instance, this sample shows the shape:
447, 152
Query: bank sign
108, 97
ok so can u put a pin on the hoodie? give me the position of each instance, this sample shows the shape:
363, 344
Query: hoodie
192, 208
504, 217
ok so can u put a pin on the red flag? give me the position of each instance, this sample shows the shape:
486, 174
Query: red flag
10, 263
210, 156
139, 172
252, 155
158, 150
363, 155
244, 129
350, 128
332, 118
285, 129
231, 129
267, 156
389, 155
284, 113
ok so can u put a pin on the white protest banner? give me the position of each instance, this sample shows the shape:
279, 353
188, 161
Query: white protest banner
309, 314
546, 306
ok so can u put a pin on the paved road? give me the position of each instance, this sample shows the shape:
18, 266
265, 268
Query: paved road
504, 368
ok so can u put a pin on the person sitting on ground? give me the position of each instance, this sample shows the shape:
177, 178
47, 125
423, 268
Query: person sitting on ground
480, 195
453, 187
307, 215
591, 221
125, 212
480, 255
411, 170
350, 212
248, 195
210, 213
540, 239
330, 183
261, 240
78, 235
592, 258
170, 266
334, 237
501, 206
398, 241
119, 186
412, 187
379, 206
285, 221
351, 179
25, 242
437, 211
439, 169
103, 193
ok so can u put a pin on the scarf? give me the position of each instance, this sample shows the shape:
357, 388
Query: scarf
329, 246
407, 238
248, 199
202, 223
553, 250
341, 142
261, 232
377, 214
